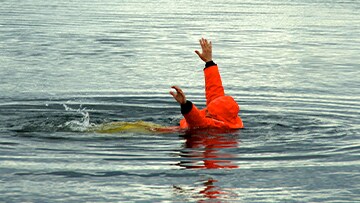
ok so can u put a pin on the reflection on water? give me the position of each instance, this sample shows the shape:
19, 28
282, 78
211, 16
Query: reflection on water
204, 150
204, 192
211, 191
207, 149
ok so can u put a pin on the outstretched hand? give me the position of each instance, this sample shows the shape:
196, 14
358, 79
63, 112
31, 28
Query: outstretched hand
206, 47
179, 95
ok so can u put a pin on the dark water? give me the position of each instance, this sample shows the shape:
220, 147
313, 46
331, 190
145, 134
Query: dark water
67, 66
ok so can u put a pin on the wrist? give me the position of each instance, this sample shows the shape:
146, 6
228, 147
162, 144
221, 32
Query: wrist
209, 63
186, 108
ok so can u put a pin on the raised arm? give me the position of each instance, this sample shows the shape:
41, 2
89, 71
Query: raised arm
213, 83
206, 50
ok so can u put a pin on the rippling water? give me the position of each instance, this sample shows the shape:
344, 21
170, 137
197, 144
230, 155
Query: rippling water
67, 66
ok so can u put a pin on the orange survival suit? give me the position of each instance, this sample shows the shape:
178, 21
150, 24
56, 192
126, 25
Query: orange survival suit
221, 110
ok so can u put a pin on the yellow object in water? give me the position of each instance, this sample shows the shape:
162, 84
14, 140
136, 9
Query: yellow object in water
138, 126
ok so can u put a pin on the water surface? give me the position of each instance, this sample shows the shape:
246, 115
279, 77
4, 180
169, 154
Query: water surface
293, 66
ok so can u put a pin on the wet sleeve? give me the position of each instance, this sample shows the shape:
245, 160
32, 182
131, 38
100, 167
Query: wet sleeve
213, 83
186, 108
194, 118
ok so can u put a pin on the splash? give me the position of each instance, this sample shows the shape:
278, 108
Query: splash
78, 125
84, 125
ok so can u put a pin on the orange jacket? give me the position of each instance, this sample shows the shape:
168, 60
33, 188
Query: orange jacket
221, 111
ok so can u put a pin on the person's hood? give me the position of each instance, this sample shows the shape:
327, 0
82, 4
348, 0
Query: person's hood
225, 109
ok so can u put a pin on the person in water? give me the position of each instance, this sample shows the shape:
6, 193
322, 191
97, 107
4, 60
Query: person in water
221, 110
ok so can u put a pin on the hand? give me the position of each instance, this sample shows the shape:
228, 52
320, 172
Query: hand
206, 47
179, 96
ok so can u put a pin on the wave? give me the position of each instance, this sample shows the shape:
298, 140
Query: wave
267, 114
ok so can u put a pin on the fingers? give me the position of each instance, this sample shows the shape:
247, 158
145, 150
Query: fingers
179, 95
173, 93
178, 90
206, 47
198, 53
204, 43
200, 56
